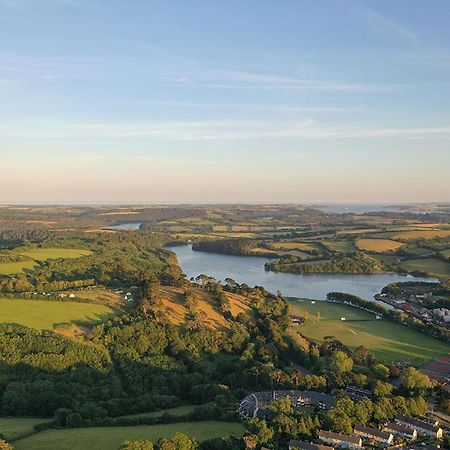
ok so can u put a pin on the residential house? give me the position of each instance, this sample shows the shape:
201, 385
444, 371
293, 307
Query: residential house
431, 429
374, 435
301, 445
340, 440
400, 430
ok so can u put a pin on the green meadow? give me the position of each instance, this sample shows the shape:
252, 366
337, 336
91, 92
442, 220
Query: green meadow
13, 428
46, 314
44, 253
387, 340
35, 255
431, 266
111, 438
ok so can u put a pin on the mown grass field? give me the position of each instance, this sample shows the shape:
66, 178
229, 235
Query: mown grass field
431, 266
111, 438
13, 428
43, 314
378, 245
44, 254
387, 340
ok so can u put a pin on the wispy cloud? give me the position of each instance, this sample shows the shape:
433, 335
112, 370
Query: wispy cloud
303, 130
222, 79
386, 26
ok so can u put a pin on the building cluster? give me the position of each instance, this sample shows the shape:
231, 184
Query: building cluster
257, 403
443, 314
405, 428
438, 370
413, 305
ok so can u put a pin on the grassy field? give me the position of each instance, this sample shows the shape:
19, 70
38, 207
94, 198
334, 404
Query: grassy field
16, 427
431, 266
177, 411
43, 314
378, 245
173, 306
388, 340
36, 254
17, 267
302, 246
420, 234
44, 254
111, 438
340, 246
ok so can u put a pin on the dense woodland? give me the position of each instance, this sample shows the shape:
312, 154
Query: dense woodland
357, 263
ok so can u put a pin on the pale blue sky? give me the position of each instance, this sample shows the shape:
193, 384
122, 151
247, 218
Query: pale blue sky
237, 100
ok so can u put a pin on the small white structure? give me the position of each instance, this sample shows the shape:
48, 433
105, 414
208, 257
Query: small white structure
343, 319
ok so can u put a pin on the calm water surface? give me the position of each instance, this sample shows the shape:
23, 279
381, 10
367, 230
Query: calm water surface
126, 226
250, 270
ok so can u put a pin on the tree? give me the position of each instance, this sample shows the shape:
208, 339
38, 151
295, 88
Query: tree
341, 363
382, 389
5, 445
362, 356
380, 371
137, 445
282, 406
415, 381
180, 441
261, 430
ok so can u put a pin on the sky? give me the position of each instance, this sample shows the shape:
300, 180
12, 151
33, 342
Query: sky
224, 101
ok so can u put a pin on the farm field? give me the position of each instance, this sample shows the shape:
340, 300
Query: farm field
13, 428
43, 314
387, 340
420, 234
111, 438
302, 246
340, 246
432, 266
17, 266
37, 254
44, 254
378, 245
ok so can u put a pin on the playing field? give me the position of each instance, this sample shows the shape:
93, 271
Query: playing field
43, 314
111, 438
431, 266
14, 427
388, 340
378, 245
